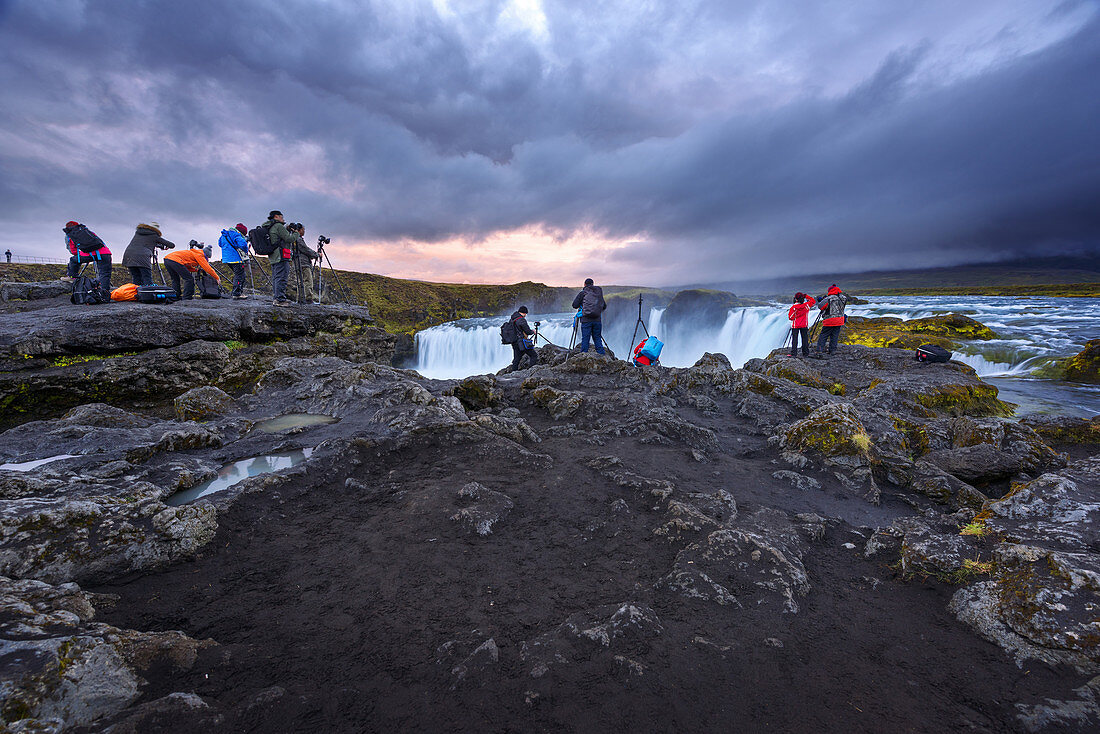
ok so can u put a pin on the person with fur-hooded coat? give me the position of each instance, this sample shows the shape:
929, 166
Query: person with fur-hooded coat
138, 258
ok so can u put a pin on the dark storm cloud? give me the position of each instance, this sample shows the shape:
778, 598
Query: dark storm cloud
728, 139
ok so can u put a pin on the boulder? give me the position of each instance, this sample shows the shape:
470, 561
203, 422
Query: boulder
477, 392
202, 403
1085, 365
753, 560
1064, 429
34, 291
64, 670
834, 435
1039, 604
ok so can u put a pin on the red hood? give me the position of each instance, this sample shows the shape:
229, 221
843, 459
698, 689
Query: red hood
834, 291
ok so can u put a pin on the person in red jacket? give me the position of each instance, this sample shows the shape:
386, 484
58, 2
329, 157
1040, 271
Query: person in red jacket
832, 315
799, 315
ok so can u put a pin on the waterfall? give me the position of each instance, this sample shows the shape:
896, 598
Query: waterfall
472, 347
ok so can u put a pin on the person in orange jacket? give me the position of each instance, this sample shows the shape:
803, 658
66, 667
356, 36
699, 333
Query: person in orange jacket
181, 265
799, 315
832, 315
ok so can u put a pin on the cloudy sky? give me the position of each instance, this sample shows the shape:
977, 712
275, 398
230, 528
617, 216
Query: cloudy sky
649, 142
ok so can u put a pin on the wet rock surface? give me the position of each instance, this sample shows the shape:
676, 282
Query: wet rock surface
577, 544
57, 357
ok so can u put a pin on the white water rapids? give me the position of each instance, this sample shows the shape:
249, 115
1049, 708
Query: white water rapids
1032, 332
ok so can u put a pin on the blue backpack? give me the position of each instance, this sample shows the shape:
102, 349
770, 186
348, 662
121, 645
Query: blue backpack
652, 348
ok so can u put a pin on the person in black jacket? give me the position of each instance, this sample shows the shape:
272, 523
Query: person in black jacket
138, 258
522, 345
592, 305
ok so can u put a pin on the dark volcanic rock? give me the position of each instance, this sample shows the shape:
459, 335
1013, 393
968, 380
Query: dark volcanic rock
146, 355
120, 327
627, 546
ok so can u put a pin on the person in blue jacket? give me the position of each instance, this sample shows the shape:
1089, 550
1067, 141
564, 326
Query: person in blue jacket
234, 252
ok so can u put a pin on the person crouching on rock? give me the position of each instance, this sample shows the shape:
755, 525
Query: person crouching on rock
522, 345
799, 315
182, 264
832, 314
592, 305
138, 258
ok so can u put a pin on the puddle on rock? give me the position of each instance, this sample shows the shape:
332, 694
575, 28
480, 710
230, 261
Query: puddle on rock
293, 420
238, 471
28, 465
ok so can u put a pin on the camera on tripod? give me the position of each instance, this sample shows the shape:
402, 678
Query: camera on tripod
537, 324
322, 240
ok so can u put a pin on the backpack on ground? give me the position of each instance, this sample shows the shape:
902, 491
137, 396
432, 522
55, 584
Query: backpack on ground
508, 332
156, 294
648, 351
207, 286
932, 353
127, 292
260, 238
85, 239
590, 305
88, 292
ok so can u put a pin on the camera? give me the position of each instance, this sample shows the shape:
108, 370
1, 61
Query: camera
537, 324
322, 240
165, 247
194, 245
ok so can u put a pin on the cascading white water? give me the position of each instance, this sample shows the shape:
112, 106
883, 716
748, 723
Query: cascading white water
472, 347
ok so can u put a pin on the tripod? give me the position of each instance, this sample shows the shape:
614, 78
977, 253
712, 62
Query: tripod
638, 323
324, 259
156, 269
576, 325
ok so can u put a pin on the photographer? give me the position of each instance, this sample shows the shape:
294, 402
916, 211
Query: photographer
522, 345
282, 243
302, 269
183, 265
235, 254
138, 258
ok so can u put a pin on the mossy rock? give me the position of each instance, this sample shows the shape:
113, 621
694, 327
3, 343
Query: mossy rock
971, 399
477, 393
1085, 366
944, 331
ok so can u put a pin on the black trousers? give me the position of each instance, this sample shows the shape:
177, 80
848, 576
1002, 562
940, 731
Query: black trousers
238, 278
805, 342
518, 350
141, 276
179, 273
832, 335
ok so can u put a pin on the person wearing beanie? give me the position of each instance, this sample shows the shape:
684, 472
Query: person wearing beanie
832, 317
283, 243
138, 258
592, 305
522, 345
234, 248
799, 315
